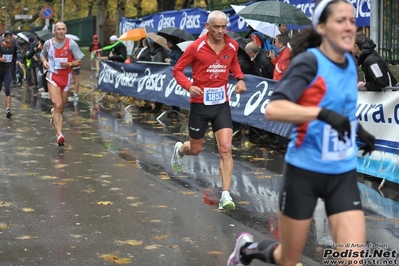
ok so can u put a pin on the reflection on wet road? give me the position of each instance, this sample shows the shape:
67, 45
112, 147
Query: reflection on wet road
139, 139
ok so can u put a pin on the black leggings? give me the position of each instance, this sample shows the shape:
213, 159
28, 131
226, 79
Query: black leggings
302, 188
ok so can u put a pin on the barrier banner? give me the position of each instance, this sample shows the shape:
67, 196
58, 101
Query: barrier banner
378, 112
193, 20
154, 82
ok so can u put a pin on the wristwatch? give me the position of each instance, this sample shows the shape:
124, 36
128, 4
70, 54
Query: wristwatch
238, 79
70, 64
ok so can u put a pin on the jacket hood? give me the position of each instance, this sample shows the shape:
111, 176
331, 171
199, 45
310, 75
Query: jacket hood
368, 46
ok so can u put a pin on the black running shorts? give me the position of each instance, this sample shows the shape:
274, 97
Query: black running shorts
301, 189
200, 114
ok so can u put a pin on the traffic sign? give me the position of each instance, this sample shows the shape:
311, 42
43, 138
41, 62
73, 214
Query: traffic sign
47, 12
23, 16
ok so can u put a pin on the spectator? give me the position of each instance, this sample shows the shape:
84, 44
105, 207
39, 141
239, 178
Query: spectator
263, 41
281, 61
95, 45
283, 29
376, 71
118, 50
263, 65
173, 57
159, 54
145, 53
136, 51
31, 63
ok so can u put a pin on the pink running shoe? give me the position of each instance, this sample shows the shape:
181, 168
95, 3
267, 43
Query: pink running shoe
60, 139
242, 239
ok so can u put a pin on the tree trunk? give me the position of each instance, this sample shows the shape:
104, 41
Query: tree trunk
165, 5
121, 7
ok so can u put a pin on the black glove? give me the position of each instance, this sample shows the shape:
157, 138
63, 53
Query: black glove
338, 122
368, 139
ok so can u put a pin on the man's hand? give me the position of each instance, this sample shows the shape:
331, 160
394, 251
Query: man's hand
240, 87
195, 91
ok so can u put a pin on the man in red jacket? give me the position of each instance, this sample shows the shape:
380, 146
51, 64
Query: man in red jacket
282, 61
212, 57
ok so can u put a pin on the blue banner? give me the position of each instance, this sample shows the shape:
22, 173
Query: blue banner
193, 20
154, 82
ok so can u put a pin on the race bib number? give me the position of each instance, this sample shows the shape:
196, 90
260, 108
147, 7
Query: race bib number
8, 57
213, 96
334, 149
58, 61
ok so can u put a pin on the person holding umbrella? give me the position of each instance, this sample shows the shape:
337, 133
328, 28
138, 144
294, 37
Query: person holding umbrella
212, 57
59, 56
318, 94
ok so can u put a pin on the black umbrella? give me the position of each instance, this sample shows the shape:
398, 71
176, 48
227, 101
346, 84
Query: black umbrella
275, 12
47, 36
242, 42
177, 33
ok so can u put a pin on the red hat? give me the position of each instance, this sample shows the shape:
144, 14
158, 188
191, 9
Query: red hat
95, 36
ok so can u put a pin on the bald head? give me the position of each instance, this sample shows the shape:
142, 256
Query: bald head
59, 24
252, 47
214, 15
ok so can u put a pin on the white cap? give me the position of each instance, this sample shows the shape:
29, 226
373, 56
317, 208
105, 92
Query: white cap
113, 38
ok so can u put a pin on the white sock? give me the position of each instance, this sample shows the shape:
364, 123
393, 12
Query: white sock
178, 154
225, 193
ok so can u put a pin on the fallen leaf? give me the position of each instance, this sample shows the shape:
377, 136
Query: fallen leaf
160, 237
26, 237
129, 242
259, 159
161, 206
135, 204
89, 190
244, 202
104, 203
164, 177
5, 226
215, 252
119, 164
105, 176
59, 166
155, 221
60, 183
115, 189
151, 247
32, 174
5, 204
28, 209
131, 198
188, 192
49, 177
263, 176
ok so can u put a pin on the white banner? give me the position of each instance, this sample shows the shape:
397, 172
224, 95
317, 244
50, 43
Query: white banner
378, 112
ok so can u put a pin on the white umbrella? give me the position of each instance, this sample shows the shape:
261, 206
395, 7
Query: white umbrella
267, 28
23, 36
73, 37
184, 45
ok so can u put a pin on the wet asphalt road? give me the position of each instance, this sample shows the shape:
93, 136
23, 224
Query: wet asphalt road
110, 196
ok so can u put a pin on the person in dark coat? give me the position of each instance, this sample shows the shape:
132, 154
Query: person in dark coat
174, 55
159, 54
144, 54
376, 71
263, 65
